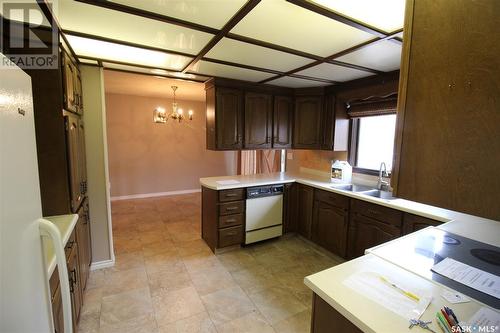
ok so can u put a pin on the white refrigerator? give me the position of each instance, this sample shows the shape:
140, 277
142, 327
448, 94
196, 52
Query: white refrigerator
25, 305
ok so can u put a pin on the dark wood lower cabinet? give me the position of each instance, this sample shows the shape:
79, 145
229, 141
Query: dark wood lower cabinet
290, 208
305, 200
325, 319
412, 223
75, 285
84, 248
330, 227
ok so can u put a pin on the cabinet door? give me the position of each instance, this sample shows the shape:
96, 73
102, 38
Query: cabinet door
78, 90
290, 208
305, 197
258, 121
365, 233
83, 240
413, 223
328, 122
330, 227
74, 285
69, 83
307, 125
282, 129
74, 155
229, 118
82, 158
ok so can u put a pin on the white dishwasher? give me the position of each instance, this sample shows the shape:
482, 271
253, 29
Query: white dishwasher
264, 213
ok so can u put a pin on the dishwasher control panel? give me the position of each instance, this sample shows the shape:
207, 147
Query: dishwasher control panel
264, 191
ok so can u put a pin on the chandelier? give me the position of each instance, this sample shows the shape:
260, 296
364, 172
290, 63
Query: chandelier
160, 114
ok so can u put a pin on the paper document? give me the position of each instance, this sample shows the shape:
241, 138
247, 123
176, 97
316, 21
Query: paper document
227, 182
371, 286
469, 276
486, 320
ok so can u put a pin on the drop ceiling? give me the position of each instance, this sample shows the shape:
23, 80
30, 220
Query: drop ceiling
290, 43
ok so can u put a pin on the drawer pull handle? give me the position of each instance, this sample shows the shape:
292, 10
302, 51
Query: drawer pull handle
231, 208
232, 233
230, 194
374, 212
230, 220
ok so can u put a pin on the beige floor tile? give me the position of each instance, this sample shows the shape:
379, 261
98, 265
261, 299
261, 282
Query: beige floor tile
163, 262
169, 280
125, 261
96, 279
201, 261
200, 323
237, 260
255, 279
212, 279
253, 322
142, 324
90, 316
125, 306
299, 323
155, 248
121, 281
227, 304
126, 245
277, 304
192, 247
176, 305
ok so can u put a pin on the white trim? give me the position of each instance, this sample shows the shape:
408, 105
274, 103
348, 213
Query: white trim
102, 264
151, 195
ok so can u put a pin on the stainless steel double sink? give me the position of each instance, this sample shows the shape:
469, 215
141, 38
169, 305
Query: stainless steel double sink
366, 190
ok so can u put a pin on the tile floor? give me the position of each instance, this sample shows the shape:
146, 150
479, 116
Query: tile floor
167, 280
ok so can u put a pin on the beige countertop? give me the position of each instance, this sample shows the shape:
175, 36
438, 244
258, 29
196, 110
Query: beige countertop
460, 221
65, 224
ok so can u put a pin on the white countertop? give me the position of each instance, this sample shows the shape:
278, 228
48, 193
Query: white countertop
460, 225
369, 315
65, 224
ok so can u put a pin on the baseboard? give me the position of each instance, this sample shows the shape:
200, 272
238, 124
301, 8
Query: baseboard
102, 264
152, 195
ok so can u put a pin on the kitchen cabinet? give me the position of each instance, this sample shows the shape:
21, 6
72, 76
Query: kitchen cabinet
324, 317
224, 118
290, 203
222, 217
72, 92
330, 221
448, 126
305, 201
258, 121
56, 301
84, 248
412, 223
329, 128
75, 142
371, 225
282, 125
307, 131
74, 285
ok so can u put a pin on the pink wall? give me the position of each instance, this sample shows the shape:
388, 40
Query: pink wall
145, 157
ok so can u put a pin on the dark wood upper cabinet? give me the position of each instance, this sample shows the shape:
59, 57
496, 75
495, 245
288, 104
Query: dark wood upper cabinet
224, 118
258, 120
447, 152
307, 132
328, 122
282, 126
72, 85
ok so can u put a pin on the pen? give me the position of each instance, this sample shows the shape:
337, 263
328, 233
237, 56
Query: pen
441, 326
448, 319
406, 293
443, 321
450, 311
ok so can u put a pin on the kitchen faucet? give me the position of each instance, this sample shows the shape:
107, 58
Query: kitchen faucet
382, 172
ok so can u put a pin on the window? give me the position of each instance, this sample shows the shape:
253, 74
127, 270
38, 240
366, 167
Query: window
372, 142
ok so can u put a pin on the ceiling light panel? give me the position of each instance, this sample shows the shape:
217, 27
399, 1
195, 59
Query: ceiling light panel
213, 13
231, 72
293, 82
159, 72
92, 48
384, 56
258, 56
387, 15
94, 20
285, 24
334, 72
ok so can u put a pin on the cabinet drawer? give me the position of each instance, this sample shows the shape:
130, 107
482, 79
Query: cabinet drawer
232, 195
230, 236
236, 207
70, 244
380, 213
230, 220
332, 199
